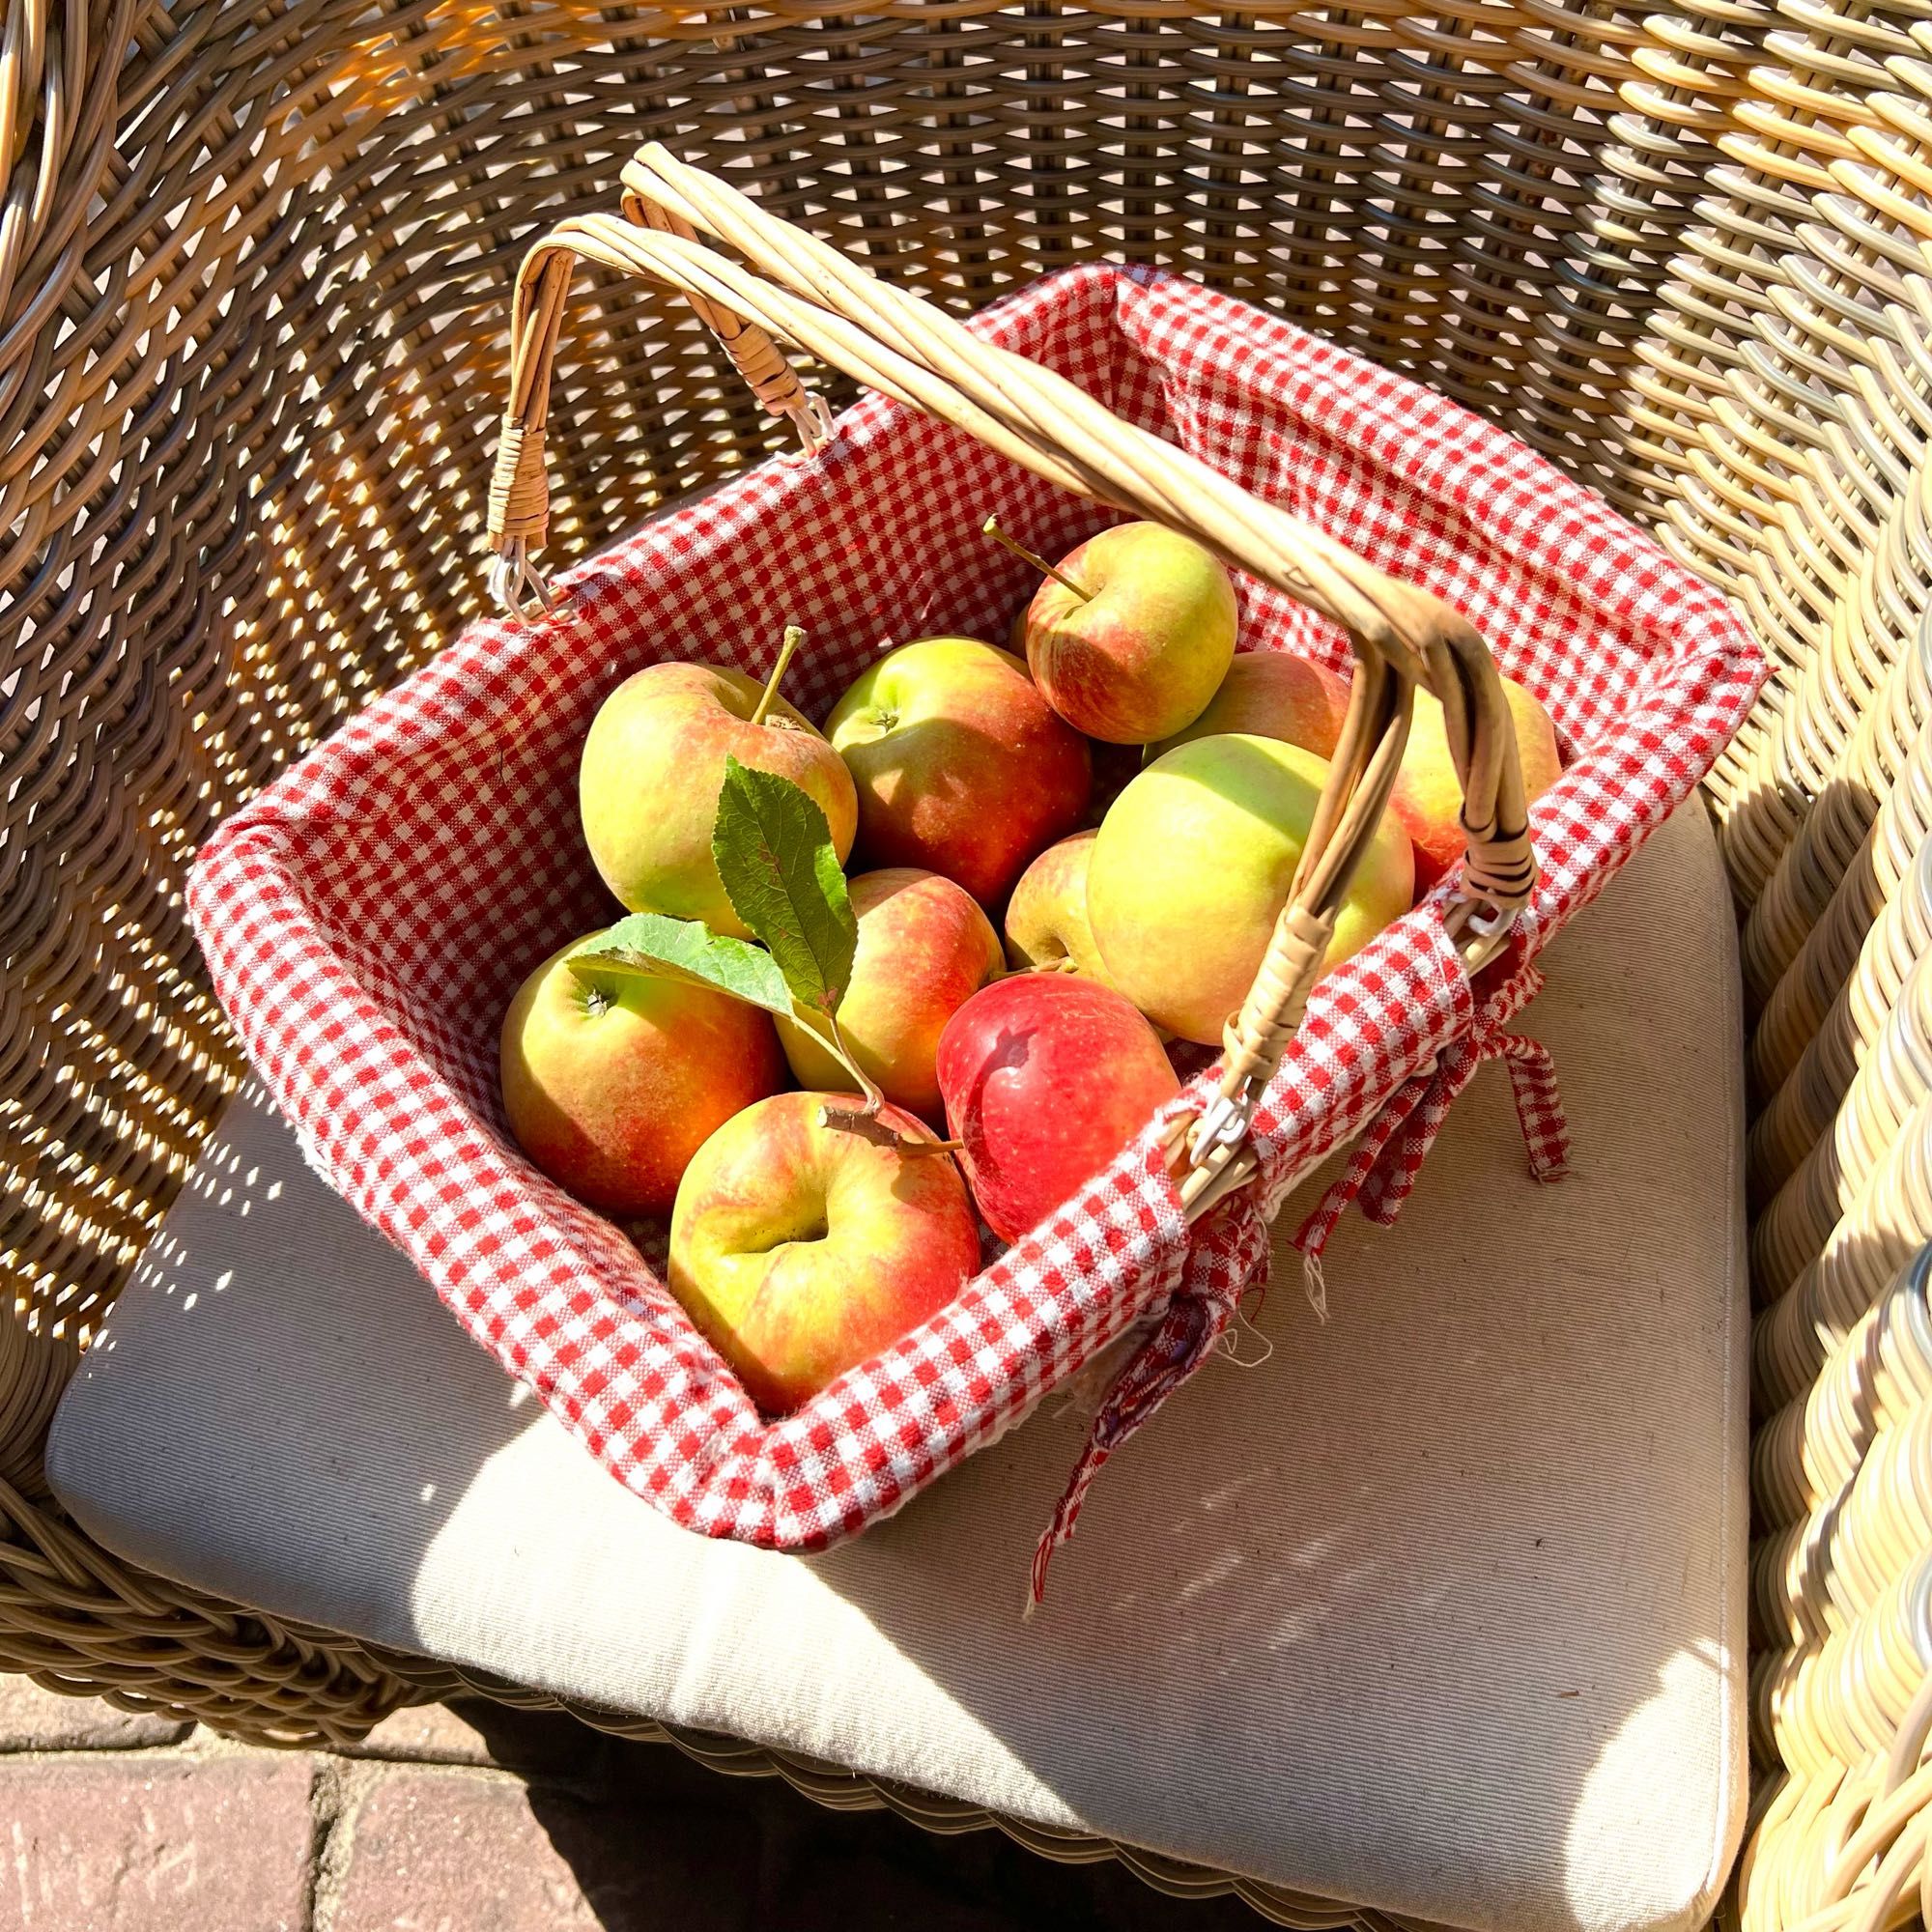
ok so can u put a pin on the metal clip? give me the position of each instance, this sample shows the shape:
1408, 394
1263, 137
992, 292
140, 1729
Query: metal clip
1479, 927
812, 420
515, 581
1224, 1123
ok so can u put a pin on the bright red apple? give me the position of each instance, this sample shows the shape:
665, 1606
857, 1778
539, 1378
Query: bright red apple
801, 1245
1047, 1076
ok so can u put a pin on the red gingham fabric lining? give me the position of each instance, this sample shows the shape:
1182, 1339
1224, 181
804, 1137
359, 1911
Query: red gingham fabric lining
367, 917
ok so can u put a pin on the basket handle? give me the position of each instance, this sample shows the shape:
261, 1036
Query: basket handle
792, 288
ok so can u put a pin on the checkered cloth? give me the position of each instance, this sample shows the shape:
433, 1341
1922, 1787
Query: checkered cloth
367, 918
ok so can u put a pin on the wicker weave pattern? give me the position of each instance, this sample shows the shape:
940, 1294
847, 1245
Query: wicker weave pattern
252, 343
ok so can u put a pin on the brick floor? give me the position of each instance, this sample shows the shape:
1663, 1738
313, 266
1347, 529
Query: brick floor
155, 1842
35, 1720
432, 1848
482, 1819
526, 1741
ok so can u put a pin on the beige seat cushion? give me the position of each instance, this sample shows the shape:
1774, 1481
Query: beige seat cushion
1439, 1610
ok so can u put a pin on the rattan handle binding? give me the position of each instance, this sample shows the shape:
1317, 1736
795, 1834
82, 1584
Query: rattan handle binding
790, 288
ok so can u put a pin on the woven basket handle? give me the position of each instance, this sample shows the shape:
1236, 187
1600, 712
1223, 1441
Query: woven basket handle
792, 288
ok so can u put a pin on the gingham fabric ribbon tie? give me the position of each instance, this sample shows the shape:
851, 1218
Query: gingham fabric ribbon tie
1390, 1154
1227, 1256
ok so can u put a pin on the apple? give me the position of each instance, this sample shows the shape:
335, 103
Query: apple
1047, 1076
1428, 798
1194, 863
1046, 918
1273, 695
961, 766
653, 766
801, 1245
1137, 649
924, 950
612, 1086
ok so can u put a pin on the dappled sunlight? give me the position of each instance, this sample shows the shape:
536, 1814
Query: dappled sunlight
1623, 1801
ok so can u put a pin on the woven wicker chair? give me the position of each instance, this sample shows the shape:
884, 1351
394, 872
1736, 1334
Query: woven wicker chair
253, 264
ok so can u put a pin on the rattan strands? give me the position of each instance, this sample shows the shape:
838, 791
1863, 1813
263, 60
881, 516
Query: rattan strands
253, 344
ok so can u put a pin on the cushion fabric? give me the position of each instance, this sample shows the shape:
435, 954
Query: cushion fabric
1436, 1607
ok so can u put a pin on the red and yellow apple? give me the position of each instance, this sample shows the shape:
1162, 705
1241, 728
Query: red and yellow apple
1047, 1076
653, 765
612, 1084
961, 766
924, 950
1137, 651
1193, 866
1428, 798
801, 1247
1046, 918
1273, 695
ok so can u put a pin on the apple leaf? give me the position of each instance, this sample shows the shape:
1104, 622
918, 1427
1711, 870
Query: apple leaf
775, 854
687, 948
652, 945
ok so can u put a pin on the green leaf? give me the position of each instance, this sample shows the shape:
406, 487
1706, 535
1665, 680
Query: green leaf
774, 852
686, 949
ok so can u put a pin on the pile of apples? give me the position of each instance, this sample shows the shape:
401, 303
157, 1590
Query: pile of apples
810, 1227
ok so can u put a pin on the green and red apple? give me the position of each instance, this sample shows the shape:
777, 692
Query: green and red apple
961, 765
613, 1081
924, 950
653, 765
1273, 695
1047, 1076
1428, 798
1047, 926
1134, 635
1194, 863
805, 1240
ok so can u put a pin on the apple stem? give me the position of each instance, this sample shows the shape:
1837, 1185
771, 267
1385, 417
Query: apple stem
793, 637
869, 1126
874, 1100
991, 527
874, 1095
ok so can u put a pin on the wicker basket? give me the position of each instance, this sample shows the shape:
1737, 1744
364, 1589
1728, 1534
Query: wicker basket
251, 270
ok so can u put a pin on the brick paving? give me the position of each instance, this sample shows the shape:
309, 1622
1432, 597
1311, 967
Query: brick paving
474, 1818
156, 1842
